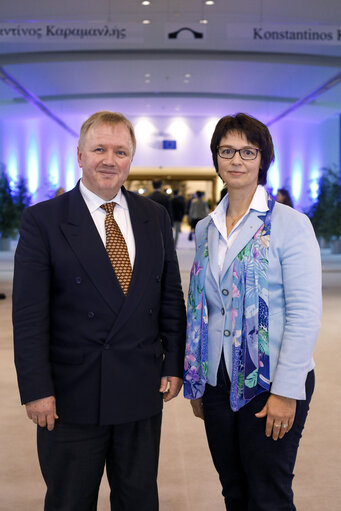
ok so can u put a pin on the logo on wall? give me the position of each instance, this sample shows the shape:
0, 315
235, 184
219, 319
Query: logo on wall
185, 34
196, 35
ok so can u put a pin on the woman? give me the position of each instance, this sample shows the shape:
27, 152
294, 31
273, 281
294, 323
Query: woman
254, 310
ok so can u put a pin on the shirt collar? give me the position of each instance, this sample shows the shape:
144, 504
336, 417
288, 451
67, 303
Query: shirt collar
260, 200
259, 203
94, 202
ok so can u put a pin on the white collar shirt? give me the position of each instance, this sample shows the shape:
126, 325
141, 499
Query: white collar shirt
259, 203
121, 215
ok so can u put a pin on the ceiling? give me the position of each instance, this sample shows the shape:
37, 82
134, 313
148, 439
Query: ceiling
212, 77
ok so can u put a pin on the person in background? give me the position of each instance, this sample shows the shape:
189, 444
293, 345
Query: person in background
283, 196
99, 328
197, 211
2, 296
178, 209
158, 196
254, 308
59, 191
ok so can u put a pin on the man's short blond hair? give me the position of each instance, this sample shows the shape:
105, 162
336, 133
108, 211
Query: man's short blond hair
106, 117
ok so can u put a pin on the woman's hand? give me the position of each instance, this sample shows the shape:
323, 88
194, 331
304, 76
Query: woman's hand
280, 412
197, 408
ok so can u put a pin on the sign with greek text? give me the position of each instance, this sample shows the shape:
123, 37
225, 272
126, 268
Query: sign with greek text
64, 32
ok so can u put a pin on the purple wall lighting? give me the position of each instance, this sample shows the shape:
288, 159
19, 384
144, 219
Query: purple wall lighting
54, 170
32, 163
297, 180
70, 180
314, 183
12, 167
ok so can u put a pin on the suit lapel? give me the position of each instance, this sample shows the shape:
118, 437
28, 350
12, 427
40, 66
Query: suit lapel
144, 235
213, 244
82, 236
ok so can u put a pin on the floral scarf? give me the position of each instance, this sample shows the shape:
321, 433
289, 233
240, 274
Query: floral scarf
250, 319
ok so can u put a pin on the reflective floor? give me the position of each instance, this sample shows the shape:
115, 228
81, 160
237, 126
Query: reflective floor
187, 479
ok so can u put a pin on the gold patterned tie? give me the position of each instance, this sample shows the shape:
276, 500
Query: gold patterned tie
117, 248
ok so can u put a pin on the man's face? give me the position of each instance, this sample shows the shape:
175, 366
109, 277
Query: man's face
105, 155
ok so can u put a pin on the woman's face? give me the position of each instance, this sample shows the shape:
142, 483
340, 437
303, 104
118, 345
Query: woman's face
237, 173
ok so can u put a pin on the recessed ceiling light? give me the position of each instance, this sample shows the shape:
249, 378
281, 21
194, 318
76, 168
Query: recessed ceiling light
187, 75
147, 75
204, 22
145, 2
146, 22
209, 2
147, 81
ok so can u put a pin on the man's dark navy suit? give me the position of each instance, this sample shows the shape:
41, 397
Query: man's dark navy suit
76, 336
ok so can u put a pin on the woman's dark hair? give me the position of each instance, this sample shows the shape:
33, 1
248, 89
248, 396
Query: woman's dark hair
256, 133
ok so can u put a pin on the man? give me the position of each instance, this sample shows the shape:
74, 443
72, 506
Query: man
158, 196
178, 208
197, 211
99, 336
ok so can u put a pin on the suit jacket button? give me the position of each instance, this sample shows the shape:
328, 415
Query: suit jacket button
225, 292
222, 311
158, 278
227, 333
91, 315
78, 280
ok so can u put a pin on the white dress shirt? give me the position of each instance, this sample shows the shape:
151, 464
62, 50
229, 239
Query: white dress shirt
121, 215
259, 202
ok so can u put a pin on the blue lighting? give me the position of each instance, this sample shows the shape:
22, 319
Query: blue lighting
314, 183
12, 166
54, 170
70, 173
33, 164
297, 180
274, 177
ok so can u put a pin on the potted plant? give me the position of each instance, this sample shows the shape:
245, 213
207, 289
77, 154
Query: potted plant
325, 214
12, 204
21, 197
8, 212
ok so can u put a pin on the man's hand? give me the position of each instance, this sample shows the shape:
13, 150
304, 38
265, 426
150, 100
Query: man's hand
43, 412
197, 408
174, 387
280, 412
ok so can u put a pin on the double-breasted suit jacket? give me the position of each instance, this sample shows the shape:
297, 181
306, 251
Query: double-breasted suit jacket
76, 335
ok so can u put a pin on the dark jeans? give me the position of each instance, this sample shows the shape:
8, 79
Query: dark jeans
72, 459
255, 471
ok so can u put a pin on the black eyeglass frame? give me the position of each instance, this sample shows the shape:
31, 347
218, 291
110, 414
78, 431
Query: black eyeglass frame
238, 151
